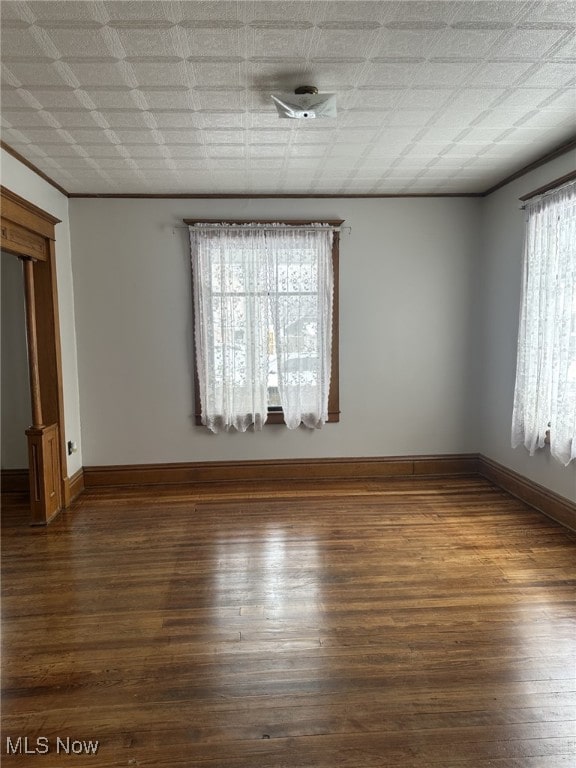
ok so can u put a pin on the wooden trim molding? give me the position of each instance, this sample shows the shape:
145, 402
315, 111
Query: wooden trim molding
562, 149
265, 196
278, 470
277, 416
557, 152
46, 487
22, 242
18, 481
549, 187
14, 481
7, 148
47, 449
27, 215
457, 464
74, 487
551, 504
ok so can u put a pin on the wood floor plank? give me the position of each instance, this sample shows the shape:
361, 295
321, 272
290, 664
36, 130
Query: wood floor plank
425, 623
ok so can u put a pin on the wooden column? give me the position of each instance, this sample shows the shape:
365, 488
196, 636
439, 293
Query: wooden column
28, 232
44, 469
43, 441
32, 335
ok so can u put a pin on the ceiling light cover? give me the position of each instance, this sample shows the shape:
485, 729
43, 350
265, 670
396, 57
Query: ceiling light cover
305, 106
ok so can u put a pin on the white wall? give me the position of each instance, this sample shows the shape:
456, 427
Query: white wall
16, 412
501, 273
408, 272
430, 292
21, 180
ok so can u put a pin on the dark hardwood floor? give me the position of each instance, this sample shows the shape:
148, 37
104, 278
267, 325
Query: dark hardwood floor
425, 623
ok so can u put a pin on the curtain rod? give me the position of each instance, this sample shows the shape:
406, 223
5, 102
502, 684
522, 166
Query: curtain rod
205, 227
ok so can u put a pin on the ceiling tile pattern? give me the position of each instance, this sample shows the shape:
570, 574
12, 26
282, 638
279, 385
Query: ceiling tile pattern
174, 97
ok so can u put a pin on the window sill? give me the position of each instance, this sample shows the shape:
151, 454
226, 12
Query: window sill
277, 417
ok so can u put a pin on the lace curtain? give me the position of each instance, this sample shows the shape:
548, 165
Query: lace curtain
545, 392
262, 314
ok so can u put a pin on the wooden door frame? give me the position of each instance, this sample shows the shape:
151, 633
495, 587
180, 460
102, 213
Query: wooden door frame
29, 233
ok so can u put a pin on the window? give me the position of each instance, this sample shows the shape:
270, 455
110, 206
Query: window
265, 323
545, 392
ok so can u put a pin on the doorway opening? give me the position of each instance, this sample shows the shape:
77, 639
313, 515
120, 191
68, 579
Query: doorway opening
28, 233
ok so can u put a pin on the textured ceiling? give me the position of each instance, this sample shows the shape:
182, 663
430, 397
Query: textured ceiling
173, 97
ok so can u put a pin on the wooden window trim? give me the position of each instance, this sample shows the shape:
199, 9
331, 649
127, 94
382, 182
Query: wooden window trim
277, 416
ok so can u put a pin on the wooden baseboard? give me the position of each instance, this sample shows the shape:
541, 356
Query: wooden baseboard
15, 481
463, 464
551, 504
279, 470
74, 486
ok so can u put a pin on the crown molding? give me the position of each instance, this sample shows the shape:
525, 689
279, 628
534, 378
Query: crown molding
562, 149
550, 186
256, 196
7, 148
8, 195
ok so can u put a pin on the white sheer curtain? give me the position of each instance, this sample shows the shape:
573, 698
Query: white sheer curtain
545, 392
262, 291
301, 289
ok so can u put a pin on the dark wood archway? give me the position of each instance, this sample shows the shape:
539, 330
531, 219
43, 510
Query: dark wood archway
29, 233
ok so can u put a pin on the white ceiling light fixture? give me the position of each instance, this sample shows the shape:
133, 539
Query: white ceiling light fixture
305, 103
